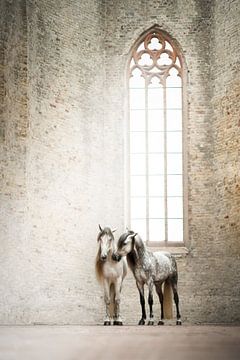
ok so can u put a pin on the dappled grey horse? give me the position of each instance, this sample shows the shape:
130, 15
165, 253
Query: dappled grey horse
110, 274
151, 269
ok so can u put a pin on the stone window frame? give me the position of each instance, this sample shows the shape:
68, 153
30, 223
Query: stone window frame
156, 244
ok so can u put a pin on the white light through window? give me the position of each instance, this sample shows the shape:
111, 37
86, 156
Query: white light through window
155, 123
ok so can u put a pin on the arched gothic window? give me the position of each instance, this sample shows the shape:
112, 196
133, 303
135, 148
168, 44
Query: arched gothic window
156, 138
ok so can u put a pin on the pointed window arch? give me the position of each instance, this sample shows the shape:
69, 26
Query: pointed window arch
155, 83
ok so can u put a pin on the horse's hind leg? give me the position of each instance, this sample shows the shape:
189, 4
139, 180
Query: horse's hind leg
176, 300
150, 303
158, 287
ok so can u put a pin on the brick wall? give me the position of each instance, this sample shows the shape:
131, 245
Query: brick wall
64, 143
226, 135
13, 131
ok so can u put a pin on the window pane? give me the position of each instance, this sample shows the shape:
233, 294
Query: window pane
145, 60
156, 207
137, 120
155, 98
174, 185
156, 230
136, 80
173, 80
137, 98
154, 44
139, 226
156, 185
175, 230
174, 98
137, 142
138, 208
138, 186
155, 142
138, 164
156, 138
174, 163
155, 120
174, 141
156, 164
164, 60
175, 207
174, 120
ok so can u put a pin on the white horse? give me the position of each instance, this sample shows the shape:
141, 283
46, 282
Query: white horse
110, 274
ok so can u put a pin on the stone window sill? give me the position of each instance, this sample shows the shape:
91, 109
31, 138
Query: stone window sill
177, 251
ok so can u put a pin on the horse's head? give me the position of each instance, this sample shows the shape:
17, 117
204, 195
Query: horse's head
125, 243
106, 242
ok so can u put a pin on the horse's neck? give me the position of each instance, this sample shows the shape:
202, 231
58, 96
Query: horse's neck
140, 251
112, 250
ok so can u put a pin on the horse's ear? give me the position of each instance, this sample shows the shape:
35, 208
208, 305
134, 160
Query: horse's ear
100, 227
114, 230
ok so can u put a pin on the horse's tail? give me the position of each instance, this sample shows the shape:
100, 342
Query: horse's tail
167, 300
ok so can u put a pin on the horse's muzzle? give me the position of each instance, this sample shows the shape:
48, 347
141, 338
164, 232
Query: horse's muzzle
116, 257
103, 258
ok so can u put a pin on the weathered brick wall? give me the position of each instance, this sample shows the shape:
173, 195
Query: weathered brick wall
64, 169
226, 135
13, 129
71, 164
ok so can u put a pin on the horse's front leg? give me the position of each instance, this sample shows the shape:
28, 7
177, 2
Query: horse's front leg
150, 303
106, 287
140, 287
117, 287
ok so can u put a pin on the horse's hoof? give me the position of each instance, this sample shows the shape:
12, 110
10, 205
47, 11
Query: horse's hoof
118, 323
179, 322
141, 322
107, 323
161, 322
151, 322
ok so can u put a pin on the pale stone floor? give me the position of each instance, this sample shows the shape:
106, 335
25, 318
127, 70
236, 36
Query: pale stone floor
126, 342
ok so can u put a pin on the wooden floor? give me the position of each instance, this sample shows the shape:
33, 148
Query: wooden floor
126, 342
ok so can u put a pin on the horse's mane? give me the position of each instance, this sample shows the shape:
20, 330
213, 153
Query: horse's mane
99, 267
131, 259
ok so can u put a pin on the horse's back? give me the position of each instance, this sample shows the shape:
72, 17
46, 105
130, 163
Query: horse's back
166, 264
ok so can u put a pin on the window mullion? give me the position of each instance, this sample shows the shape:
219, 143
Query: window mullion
165, 161
146, 160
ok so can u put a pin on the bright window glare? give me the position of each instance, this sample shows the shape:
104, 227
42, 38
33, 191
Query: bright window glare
138, 164
138, 208
138, 186
156, 229
137, 142
156, 207
175, 230
156, 164
155, 120
145, 60
154, 44
137, 120
140, 226
155, 141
